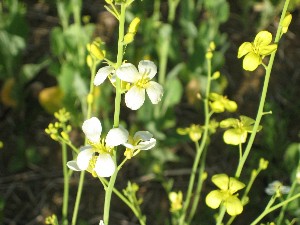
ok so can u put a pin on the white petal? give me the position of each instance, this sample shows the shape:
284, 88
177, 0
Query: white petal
116, 136
128, 72
130, 146
101, 222
143, 135
84, 157
105, 166
92, 129
102, 74
146, 145
147, 66
73, 166
155, 92
135, 98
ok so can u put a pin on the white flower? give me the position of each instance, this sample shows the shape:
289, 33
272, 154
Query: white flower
102, 74
101, 222
277, 187
142, 140
141, 82
96, 157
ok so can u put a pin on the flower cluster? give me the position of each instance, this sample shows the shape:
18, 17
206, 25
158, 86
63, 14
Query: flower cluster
139, 82
96, 157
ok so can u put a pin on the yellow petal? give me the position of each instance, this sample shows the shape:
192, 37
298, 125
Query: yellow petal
267, 50
263, 38
233, 206
221, 181
244, 49
251, 61
286, 22
214, 199
217, 106
235, 136
235, 185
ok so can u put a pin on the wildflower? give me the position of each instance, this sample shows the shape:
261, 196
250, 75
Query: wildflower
226, 195
237, 134
276, 187
140, 82
142, 140
194, 132
96, 157
103, 73
176, 201
219, 103
255, 52
101, 222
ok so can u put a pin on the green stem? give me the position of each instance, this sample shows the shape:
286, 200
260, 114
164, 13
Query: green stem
269, 210
78, 198
112, 180
66, 185
88, 115
201, 147
260, 112
199, 188
221, 215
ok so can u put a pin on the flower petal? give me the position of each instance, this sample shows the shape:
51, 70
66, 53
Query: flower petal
235, 185
135, 98
92, 129
84, 157
233, 206
221, 181
73, 165
142, 135
267, 50
116, 136
146, 145
147, 66
263, 38
102, 74
235, 136
105, 166
244, 49
155, 91
128, 72
251, 61
214, 199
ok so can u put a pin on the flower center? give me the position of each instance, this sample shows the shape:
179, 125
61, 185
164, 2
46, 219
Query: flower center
101, 148
143, 82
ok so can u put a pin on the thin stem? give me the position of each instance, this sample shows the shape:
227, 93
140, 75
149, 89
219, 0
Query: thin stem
199, 187
78, 198
221, 215
201, 147
263, 97
269, 210
89, 114
112, 180
66, 185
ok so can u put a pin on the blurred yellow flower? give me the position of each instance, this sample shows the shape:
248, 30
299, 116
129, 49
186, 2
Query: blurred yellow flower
254, 52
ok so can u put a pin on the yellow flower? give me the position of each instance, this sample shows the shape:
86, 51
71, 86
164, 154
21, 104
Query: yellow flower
239, 129
226, 195
176, 201
255, 52
194, 132
286, 23
219, 103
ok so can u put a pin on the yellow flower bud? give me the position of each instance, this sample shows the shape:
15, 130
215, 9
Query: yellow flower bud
89, 61
133, 26
263, 164
97, 52
209, 55
90, 98
212, 46
1, 144
65, 136
286, 22
215, 75
128, 38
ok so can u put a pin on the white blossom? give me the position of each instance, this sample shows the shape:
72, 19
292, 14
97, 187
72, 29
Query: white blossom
141, 82
277, 186
96, 157
142, 140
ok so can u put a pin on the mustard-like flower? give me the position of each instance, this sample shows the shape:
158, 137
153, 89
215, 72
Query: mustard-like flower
255, 51
219, 103
239, 129
226, 195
